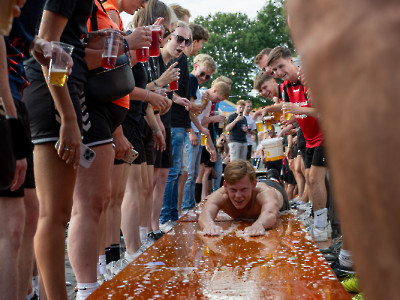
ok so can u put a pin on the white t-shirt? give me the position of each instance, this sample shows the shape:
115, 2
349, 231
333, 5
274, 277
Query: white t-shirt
205, 112
252, 125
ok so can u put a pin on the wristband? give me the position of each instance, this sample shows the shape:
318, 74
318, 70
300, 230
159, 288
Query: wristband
155, 83
147, 95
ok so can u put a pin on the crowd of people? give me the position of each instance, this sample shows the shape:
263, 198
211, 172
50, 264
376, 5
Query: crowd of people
156, 148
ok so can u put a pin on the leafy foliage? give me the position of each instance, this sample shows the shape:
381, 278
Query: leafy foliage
235, 40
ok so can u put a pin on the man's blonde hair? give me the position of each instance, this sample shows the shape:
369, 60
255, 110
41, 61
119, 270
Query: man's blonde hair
260, 55
241, 103
260, 79
180, 11
223, 89
225, 79
206, 61
238, 169
277, 53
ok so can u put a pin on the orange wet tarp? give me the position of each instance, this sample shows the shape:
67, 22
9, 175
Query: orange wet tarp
184, 264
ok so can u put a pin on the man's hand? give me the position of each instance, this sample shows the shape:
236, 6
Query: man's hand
255, 230
140, 37
204, 130
42, 51
193, 138
212, 230
19, 175
195, 108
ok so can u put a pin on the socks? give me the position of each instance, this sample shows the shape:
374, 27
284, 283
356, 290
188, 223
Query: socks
102, 264
108, 255
321, 218
143, 233
29, 297
35, 283
345, 258
197, 192
85, 290
115, 252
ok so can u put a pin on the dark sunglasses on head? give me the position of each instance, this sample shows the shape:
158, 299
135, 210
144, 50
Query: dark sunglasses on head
203, 74
180, 39
166, 33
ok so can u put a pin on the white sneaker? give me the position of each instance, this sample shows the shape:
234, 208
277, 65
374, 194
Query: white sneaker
146, 243
167, 226
320, 235
305, 206
306, 218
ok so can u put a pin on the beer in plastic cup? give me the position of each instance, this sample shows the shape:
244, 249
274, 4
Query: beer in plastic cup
268, 122
110, 50
154, 49
142, 54
161, 91
6, 16
203, 141
259, 125
286, 114
173, 85
59, 63
277, 116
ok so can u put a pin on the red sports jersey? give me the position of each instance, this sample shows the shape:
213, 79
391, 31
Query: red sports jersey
294, 92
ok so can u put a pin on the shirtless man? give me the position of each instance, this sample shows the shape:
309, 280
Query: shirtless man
242, 197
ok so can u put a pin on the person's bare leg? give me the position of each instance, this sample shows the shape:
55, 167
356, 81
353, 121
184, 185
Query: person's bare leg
149, 194
25, 259
55, 183
147, 199
204, 181
158, 194
92, 188
11, 232
361, 116
318, 187
118, 184
131, 209
300, 179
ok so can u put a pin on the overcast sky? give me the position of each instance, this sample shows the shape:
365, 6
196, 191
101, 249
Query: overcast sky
206, 7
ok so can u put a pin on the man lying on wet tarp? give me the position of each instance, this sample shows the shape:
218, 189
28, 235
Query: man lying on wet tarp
242, 197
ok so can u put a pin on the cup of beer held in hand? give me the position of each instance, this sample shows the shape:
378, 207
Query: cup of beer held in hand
59, 63
110, 50
142, 54
268, 122
259, 125
154, 49
286, 114
203, 140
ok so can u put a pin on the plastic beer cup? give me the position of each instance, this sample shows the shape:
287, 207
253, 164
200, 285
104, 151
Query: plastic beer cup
59, 63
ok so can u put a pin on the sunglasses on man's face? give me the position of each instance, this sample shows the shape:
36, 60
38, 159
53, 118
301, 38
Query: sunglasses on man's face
180, 39
203, 74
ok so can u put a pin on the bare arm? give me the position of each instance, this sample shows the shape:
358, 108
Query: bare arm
268, 215
209, 213
51, 28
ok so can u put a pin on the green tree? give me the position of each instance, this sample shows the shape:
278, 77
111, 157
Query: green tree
235, 40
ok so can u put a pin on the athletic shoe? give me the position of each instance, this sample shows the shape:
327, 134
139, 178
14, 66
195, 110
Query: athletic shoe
295, 201
330, 257
167, 226
306, 218
146, 243
341, 271
334, 248
320, 235
155, 236
350, 284
306, 206
358, 297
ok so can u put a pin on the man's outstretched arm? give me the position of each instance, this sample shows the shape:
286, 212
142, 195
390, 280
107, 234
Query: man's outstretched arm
209, 212
268, 215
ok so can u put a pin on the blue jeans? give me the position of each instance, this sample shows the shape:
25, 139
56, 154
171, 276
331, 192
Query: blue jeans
193, 155
169, 210
216, 183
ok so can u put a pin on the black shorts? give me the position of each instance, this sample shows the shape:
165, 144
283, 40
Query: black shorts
163, 159
290, 177
249, 149
44, 118
315, 157
276, 185
149, 144
302, 152
100, 119
29, 182
294, 152
133, 134
206, 158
